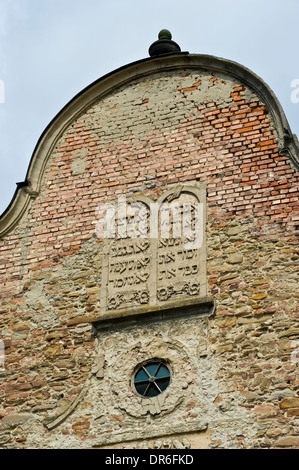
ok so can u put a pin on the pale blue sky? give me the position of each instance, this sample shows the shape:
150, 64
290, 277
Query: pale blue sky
52, 49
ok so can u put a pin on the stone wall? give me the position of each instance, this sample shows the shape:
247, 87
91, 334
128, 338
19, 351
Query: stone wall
65, 383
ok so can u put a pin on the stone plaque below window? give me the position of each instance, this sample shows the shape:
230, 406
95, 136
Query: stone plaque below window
154, 256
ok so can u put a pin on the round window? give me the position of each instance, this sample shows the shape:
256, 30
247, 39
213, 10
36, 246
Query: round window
151, 378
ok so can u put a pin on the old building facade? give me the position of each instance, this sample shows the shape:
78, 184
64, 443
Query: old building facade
149, 293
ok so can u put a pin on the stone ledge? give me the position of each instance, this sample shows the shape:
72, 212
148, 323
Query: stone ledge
171, 431
199, 306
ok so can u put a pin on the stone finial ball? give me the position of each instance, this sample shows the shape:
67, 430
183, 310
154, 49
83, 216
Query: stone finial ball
165, 34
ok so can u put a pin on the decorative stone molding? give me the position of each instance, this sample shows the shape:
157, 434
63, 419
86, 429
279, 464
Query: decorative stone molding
180, 363
287, 142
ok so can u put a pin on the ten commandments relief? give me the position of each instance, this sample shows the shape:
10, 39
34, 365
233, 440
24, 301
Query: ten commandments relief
154, 253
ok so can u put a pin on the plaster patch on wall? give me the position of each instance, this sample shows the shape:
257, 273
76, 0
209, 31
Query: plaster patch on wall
79, 163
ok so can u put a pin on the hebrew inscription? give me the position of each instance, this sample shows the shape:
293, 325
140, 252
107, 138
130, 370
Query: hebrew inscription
154, 251
129, 274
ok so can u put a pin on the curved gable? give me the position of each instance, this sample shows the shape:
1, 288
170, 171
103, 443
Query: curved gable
147, 69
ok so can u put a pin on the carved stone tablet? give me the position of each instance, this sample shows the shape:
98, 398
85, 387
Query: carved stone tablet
154, 255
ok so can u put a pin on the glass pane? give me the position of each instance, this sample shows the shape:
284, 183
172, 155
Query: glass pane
162, 372
152, 391
152, 368
163, 383
141, 375
141, 388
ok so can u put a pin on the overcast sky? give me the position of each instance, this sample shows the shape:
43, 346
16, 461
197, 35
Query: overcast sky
51, 49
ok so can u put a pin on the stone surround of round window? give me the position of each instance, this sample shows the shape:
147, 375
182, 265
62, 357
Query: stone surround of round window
151, 378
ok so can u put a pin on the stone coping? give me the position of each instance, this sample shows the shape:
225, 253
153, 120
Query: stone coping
199, 306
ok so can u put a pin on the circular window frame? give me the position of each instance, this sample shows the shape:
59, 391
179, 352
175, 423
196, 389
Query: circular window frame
143, 365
